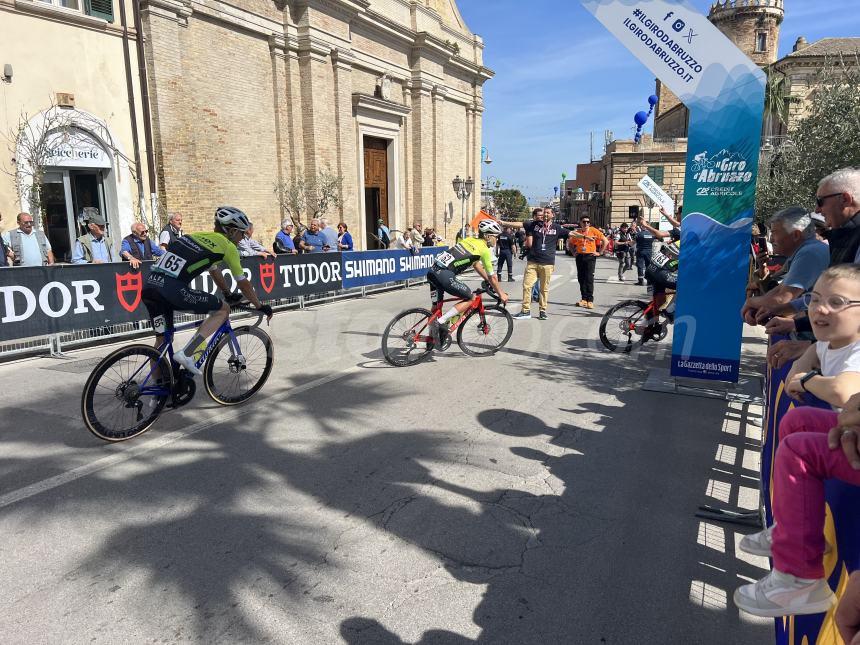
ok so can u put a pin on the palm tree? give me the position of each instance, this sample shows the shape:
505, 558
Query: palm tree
775, 99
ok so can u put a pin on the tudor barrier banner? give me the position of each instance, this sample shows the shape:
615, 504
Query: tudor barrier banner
724, 91
35, 301
842, 525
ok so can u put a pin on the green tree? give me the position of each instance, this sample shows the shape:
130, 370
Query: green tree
825, 140
511, 204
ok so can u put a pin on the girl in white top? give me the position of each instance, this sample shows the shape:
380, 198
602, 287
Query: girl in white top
834, 310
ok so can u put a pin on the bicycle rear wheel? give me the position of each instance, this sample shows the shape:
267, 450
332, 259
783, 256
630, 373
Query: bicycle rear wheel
232, 379
485, 334
622, 327
406, 340
126, 392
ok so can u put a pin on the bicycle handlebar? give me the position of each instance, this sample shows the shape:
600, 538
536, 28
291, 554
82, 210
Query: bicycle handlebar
248, 308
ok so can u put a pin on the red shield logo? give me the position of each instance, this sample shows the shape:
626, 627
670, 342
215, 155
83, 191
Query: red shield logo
267, 276
128, 288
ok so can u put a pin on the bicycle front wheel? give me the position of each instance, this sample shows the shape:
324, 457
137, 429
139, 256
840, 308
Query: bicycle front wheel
126, 392
232, 378
622, 327
483, 334
406, 340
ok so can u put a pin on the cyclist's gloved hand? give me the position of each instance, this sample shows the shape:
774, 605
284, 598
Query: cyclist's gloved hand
232, 298
266, 310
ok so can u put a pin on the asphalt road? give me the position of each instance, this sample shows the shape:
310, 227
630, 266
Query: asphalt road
538, 496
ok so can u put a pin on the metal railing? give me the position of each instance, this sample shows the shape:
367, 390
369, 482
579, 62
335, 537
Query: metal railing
54, 344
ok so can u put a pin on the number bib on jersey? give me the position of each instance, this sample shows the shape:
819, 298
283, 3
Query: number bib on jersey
659, 260
171, 264
445, 259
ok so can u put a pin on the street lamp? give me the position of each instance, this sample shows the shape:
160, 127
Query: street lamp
463, 188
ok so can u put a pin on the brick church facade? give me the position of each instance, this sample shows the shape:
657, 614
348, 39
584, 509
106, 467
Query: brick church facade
386, 94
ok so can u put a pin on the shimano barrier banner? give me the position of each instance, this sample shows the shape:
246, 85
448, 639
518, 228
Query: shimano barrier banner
724, 91
842, 524
362, 268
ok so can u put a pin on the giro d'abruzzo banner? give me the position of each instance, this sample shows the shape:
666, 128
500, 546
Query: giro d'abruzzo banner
724, 91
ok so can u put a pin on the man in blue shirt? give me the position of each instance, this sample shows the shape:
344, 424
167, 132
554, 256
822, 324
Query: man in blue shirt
284, 239
312, 241
138, 247
384, 234
94, 247
329, 234
793, 235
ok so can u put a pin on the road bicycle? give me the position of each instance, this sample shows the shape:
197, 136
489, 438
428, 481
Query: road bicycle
481, 331
631, 323
128, 390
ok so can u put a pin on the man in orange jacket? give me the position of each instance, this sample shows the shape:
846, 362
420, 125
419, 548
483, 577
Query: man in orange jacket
589, 243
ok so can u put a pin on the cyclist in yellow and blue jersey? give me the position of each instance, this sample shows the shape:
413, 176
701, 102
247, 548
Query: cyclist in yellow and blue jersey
167, 286
469, 253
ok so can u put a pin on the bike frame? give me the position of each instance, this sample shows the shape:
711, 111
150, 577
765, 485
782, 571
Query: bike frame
477, 303
166, 348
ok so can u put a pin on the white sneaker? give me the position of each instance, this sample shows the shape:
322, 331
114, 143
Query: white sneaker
782, 594
187, 362
761, 543
758, 543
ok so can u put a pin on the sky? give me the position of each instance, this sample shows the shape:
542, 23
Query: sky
560, 76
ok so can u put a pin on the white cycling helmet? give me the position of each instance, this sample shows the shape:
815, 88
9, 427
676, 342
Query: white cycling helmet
231, 217
489, 227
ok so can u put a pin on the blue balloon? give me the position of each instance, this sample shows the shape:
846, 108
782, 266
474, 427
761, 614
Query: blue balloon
653, 100
641, 118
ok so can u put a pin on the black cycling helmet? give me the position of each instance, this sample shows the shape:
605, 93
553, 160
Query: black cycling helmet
231, 217
675, 234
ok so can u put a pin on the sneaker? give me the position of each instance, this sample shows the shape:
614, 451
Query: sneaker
621, 278
187, 362
542, 316
510, 278
761, 543
640, 282
590, 305
758, 543
523, 315
782, 594
582, 303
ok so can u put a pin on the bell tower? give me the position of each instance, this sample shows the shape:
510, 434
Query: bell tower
752, 25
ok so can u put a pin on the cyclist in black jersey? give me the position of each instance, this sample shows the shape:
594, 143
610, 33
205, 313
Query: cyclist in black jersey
167, 286
469, 253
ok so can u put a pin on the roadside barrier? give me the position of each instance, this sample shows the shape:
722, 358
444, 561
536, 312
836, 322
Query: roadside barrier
48, 309
842, 525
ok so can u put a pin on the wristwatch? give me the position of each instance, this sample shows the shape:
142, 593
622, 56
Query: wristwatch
807, 376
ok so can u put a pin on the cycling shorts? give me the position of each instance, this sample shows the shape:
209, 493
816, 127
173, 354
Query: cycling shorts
163, 295
444, 281
661, 279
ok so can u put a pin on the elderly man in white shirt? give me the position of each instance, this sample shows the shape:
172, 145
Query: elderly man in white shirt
30, 247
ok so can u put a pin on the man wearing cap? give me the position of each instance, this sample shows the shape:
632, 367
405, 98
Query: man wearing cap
284, 244
94, 247
383, 234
